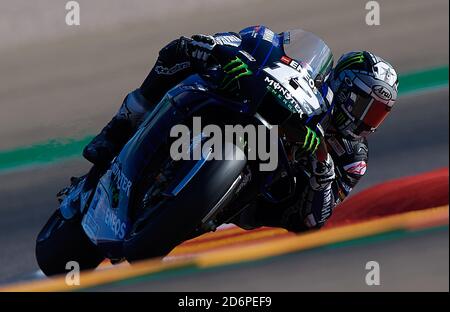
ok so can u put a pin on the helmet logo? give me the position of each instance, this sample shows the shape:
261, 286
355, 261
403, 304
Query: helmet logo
358, 167
385, 72
382, 92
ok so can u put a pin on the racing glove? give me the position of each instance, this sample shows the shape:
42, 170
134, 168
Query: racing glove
199, 49
322, 173
305, 140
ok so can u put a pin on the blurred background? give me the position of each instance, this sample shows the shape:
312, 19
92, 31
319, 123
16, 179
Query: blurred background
60, 81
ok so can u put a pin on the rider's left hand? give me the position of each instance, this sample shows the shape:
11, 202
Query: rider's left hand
323, 173
199, 49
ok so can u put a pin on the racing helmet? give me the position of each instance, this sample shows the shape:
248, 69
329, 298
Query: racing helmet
365, 90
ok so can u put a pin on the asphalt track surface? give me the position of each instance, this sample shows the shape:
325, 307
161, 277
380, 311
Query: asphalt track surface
71, 86
323, 269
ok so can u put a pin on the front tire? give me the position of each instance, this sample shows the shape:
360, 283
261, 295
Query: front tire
174, 219
61, 241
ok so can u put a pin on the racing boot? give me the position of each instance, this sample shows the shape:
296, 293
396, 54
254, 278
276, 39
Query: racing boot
102, 149
109, 142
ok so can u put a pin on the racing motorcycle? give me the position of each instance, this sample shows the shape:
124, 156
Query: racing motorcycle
146, 203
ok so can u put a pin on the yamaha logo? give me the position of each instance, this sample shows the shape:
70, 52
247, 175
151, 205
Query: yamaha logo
382, 92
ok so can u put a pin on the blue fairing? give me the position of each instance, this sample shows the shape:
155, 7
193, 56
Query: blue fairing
107, 219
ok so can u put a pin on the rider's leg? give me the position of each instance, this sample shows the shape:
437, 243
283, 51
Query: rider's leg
107, 144
172, 66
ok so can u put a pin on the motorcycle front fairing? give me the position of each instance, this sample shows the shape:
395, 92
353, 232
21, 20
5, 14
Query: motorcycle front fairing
107, 221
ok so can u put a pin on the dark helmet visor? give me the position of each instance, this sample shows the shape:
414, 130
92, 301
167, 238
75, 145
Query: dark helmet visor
368, 112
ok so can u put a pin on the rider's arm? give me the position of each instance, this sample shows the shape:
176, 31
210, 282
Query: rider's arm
175, 63
171, 67
351, 163
327, 184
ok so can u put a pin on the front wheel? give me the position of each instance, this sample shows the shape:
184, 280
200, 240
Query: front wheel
172, 220
61, 241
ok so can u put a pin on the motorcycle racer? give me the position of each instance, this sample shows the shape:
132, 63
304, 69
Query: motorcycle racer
364, 88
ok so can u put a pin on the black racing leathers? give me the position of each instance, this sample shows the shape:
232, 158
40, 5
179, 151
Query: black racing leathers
314, 203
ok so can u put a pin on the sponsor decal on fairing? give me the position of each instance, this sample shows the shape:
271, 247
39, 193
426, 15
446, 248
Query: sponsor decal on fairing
294, 85
247, 55
284, 95
230, 40
302, 68
122, 181
268, 35
115, 224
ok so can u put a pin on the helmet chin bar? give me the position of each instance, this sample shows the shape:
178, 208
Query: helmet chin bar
347, 127
343, 119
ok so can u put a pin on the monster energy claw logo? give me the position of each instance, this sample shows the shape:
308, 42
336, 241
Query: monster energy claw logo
234, 70
312, 141
340, 119
354, 59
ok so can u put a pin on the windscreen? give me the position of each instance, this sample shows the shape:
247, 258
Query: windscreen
307, 48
